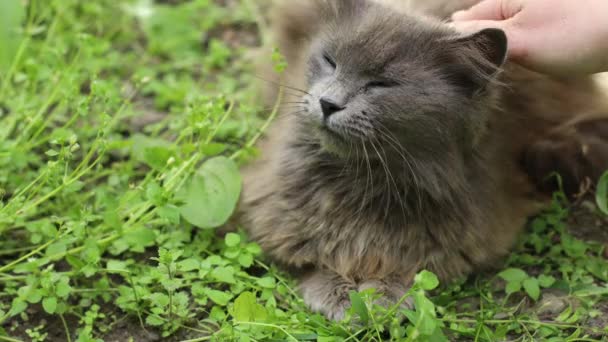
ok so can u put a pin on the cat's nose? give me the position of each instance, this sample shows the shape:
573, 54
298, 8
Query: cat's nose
329, 107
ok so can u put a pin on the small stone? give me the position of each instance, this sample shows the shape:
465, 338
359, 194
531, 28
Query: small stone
152, 336
551, 305
501, 315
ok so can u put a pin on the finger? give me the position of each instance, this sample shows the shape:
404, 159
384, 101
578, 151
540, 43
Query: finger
470, 27
490, 10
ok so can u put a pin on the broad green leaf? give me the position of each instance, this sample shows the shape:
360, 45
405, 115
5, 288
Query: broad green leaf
425, 310
217, 314
232, 252
156, 157
512, 287
423, 304
212, 193
574, 247
74, 262
49, 304
171, 284
545, 281
144, 147
154, 193
232, 239
267, 282
159, 299
597, 267
513, 275
358, 306
30, 293
154, 321
219, 297
12, 13
116, 266
254, 248
224, 275
532, 288
140, 238
426, 280
438, 336
213, 149
189, 265
601, 195
246, 260
246, 309
63, 288
35, 296
56, 250
91, 253
17, 306
170, 213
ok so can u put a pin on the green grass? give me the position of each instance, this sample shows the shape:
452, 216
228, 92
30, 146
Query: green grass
123, 124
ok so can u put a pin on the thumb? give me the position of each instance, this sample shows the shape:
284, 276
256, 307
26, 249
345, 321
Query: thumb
470, 27
490, 10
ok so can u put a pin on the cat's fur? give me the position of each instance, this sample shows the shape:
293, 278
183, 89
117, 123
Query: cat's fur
446, 191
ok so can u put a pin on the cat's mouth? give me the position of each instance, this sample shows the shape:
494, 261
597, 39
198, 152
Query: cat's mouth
334, 142
328, 131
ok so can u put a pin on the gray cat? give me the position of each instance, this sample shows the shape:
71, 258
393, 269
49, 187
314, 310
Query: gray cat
409, 148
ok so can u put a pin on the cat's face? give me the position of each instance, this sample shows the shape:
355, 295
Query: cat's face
380, 80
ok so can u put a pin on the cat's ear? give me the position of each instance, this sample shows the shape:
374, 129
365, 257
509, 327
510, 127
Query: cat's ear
491, 43
476, 59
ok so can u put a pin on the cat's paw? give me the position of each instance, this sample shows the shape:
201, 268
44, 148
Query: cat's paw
579, 154
391, 293
327, 293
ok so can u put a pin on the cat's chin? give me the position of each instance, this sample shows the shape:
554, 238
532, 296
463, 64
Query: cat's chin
335, 144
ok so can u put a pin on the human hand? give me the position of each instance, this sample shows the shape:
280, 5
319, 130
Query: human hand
560, 37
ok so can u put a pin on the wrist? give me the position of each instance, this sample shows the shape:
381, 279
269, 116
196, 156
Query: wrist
604, 44
603, 41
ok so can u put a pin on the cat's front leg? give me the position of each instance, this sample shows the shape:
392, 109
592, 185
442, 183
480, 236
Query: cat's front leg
391, 291
327, 292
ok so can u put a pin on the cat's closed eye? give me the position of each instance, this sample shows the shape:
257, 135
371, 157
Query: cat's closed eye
381, 84
330, 61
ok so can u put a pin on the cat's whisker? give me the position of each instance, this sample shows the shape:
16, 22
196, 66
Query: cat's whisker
400, 149
357, 160
407, 162
287, 106
392, 178
369, 179
347, 162
389, 177
278, 84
